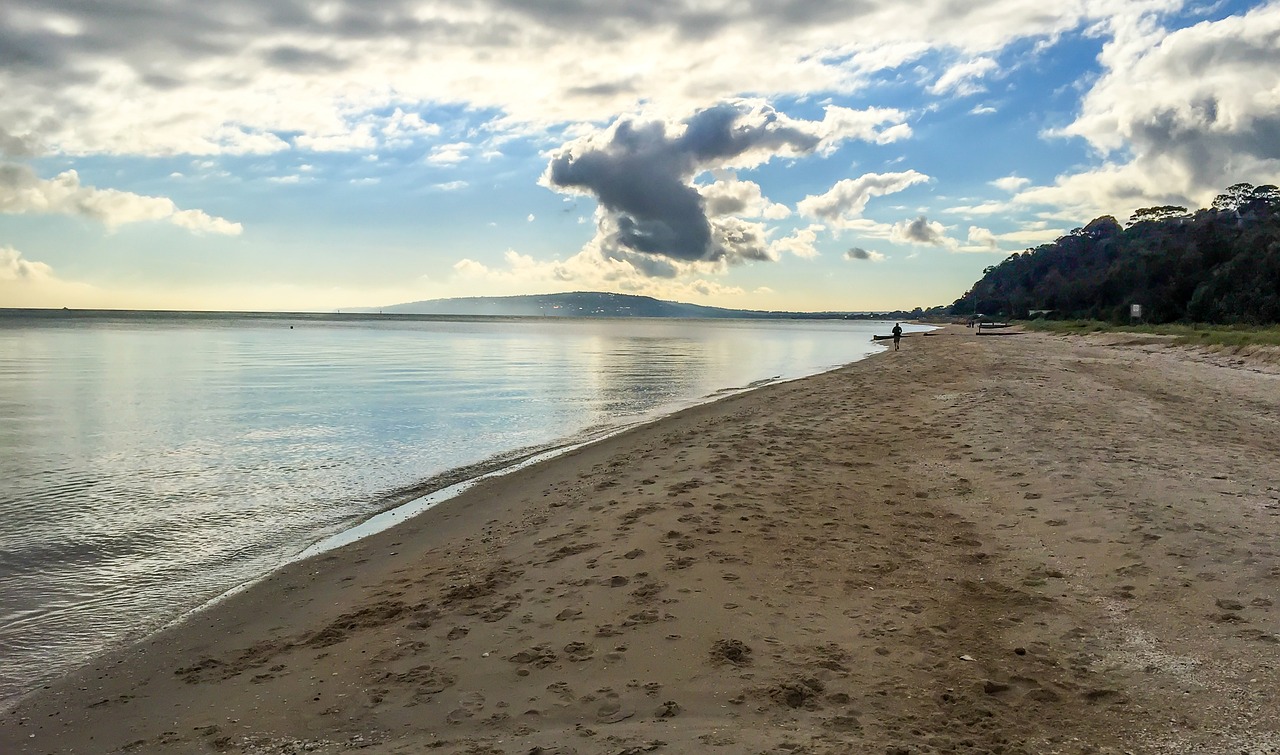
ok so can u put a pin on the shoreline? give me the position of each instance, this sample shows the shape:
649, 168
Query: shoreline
384, 506
457, 482
851, 559
464, 478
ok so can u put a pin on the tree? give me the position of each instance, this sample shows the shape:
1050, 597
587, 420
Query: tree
1268, 193
1208, 266
1156, 214
1234, 196
1101, 228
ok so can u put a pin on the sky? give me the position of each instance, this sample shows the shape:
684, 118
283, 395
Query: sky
802, 155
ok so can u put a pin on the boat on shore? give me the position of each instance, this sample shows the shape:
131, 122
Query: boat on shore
904, 335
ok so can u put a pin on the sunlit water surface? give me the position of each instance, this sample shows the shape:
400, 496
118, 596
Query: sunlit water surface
151, 462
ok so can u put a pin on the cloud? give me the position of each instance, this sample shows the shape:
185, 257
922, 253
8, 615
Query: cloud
922, 231
15, 146
963, 78
1033, 234
839, 123
844, 202
189, 78
983, 241
27, 283
980, 241
986, 208
23, 192
982, 237
1010, 183
400, 129
1178, 116
586, 270
14, 268
449, 154
800, 243
744, 198
359, 137
858, 253
362, 131
641, 173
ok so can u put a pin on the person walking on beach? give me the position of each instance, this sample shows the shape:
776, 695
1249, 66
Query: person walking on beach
897, 335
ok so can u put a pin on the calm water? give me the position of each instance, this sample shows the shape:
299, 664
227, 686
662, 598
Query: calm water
148, 463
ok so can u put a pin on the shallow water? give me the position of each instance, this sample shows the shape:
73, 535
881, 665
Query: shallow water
151, 462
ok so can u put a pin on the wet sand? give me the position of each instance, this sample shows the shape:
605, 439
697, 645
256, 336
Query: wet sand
1016, 544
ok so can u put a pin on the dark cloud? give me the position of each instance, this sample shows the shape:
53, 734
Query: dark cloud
641, 177
649, 265
29, 51
920, 231
162, 82
15, 145
1197, 146
745, 240
724, 132
607, 89
725, 204
687, 19
299, 60
857, 253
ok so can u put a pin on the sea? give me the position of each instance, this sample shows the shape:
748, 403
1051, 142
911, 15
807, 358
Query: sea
151, 462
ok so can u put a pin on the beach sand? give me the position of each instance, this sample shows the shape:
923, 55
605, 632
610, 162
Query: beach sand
1013, 544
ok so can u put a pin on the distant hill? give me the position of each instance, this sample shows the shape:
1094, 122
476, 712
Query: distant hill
591, 304
1215, 265
579, 304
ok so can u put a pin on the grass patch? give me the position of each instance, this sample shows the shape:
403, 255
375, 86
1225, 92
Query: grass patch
1192, 334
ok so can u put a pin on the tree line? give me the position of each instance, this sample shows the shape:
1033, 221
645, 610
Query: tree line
1220, 264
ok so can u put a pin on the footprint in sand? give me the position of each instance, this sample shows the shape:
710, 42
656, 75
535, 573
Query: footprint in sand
578, 652
469, 704
611, 711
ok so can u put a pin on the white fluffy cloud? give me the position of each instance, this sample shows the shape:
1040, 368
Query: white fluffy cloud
23, 192
983, 238
14, 268
1179, 115
843, 203
964, 78
449, 154
801, 242
1010, 183
743, 198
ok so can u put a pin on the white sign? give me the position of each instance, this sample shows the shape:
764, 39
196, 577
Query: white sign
1135, 311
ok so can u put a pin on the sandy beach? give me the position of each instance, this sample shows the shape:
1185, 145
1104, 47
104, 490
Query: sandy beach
1007, 544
